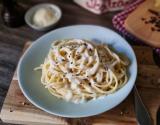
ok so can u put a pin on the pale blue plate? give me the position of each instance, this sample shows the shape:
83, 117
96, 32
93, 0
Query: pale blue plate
34, 91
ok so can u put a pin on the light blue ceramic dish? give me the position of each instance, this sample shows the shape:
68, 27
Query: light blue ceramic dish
34, 91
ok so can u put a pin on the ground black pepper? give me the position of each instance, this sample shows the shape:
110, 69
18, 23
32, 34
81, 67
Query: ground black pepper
143, 19
152, 28
146, 22
11, 110
154, 20
158, 30
154, 12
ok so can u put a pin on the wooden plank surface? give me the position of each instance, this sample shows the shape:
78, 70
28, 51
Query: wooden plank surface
16, 109
9, 56
135, 25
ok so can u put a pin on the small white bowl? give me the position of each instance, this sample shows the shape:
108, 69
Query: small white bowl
30, 13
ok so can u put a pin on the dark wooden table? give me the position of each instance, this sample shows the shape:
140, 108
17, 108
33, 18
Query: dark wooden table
12, 40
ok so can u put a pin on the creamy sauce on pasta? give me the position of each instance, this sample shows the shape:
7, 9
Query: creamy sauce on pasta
79, 70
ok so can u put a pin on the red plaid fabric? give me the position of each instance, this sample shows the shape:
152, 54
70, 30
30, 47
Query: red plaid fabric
119, 19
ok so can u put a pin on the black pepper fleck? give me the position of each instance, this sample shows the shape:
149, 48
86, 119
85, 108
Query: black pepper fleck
154, 19
158, 30
146, 22
154, 12
152, 28
143, 19
85, 44
11, 110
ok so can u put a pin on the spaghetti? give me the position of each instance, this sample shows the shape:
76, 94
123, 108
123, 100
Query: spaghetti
79, 70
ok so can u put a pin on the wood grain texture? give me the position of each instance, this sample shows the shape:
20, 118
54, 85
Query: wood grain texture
9, 55
15, 111
141, 30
